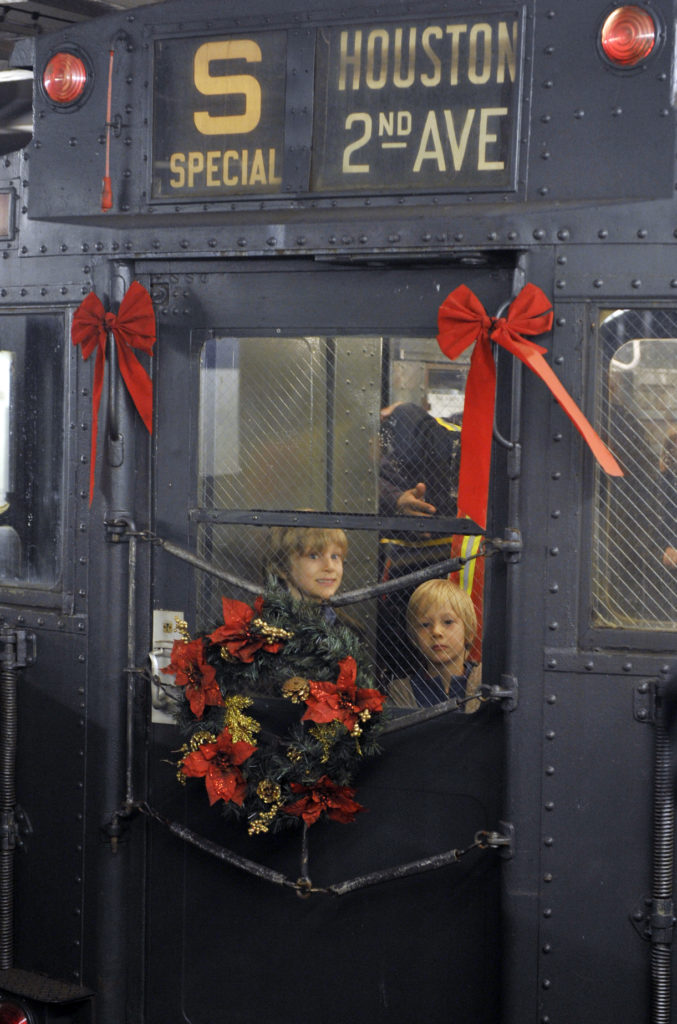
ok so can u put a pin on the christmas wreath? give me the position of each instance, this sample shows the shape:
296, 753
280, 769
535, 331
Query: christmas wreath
293, 651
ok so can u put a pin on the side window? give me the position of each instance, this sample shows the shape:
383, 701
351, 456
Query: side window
635, 527
31, 448
328, 424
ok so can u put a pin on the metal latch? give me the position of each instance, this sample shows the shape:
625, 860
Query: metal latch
165, 632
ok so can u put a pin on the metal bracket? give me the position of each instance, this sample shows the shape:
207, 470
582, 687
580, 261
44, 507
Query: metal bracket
511, 546
8, 830
644, 702
21, 644
503, 841
654, 920
507, 692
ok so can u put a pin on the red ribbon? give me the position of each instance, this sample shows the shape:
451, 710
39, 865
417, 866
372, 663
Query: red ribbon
463, 320
132, 327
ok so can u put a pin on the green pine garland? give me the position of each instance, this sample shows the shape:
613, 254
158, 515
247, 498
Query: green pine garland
320, 669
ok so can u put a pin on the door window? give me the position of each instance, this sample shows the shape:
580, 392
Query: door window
342, 424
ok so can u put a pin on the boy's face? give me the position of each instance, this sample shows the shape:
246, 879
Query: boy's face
316, 575
439, 634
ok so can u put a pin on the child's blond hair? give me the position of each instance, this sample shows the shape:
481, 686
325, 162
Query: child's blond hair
285, 541
442, 594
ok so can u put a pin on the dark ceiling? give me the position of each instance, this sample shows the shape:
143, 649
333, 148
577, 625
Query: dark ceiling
34, 17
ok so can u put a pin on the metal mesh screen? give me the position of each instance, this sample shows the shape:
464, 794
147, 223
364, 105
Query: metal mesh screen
634, 583
299, 424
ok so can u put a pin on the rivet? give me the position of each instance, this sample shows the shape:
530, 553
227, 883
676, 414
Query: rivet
547, 877
550, 734
602, 233
539, 233
636, 283
552, 663
560, 284
598, 282
550, 805
642, 233
563, 234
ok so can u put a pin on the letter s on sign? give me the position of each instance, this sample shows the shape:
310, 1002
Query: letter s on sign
227, 85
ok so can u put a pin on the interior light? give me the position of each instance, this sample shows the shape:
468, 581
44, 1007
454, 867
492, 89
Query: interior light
628, 35
64, 80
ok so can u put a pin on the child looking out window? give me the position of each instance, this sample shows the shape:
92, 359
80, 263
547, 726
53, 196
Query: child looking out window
441, 623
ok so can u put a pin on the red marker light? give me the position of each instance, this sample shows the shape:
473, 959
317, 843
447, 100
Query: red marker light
13, 1013
628, 36
64, 79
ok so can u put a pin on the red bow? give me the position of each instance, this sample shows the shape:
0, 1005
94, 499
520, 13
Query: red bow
133, 327
462, 320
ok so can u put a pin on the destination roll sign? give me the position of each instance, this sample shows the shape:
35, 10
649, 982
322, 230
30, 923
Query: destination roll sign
418, 105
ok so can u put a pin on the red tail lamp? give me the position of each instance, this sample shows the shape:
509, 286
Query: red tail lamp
628, 36
13, 1013
64, 80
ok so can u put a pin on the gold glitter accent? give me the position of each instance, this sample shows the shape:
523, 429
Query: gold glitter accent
269, 632
262, 822
182, 628
294, 755
241, 727
326, 735
296, 689
268, 791
226, 655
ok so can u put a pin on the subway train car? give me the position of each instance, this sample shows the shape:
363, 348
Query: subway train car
284, 267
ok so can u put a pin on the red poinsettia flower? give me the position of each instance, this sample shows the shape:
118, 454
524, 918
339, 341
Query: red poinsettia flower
341, 701
324, 796
236, 634
218, 763
192, 671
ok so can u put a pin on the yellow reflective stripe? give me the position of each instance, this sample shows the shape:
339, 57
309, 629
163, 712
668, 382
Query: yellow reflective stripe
469, 546
447, 426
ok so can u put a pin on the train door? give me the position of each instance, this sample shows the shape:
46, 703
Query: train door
270, 383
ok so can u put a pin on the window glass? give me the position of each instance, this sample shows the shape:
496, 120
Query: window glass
329, 424
31, 448
635, 526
